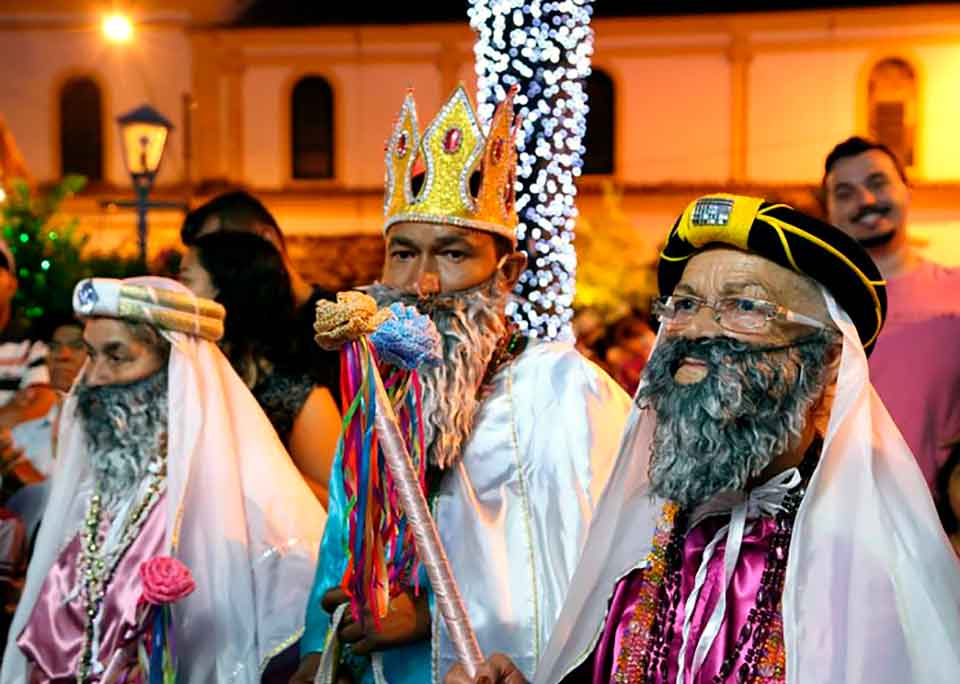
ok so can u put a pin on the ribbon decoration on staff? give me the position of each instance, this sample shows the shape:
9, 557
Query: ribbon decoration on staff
384, 461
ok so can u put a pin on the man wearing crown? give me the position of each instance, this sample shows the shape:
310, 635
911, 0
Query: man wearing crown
520, 435
765, 523
163, 452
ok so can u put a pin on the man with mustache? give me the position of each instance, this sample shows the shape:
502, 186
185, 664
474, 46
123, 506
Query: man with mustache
914, 369
520, 435
764, 522
162, 452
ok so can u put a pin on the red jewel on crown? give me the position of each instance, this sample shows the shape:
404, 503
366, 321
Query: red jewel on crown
508, 192
452, 140
402, 144
496, 152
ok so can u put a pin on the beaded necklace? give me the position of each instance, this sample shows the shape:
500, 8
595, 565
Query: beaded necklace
644, 656
96, 564
510, 346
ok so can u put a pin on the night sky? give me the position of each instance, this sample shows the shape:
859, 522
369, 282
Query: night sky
299, 13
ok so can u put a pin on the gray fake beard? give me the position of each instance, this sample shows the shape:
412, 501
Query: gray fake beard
471, 324
723, 431
125, 427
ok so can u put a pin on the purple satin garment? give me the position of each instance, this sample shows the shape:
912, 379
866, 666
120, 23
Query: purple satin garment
740, 599
53, 636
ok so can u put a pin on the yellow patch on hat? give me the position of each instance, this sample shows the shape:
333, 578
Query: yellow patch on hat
719, 218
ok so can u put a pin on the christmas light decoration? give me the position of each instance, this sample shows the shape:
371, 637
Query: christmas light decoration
543, 47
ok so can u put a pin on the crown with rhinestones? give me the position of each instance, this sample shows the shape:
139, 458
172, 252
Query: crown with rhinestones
451, 149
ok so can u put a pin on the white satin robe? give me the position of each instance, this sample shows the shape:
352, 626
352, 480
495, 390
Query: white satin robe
514, 513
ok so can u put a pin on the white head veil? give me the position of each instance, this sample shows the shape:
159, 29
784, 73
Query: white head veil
872, 590
239, 515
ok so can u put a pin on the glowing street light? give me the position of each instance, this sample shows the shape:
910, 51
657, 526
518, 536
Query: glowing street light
117, 28
143, 134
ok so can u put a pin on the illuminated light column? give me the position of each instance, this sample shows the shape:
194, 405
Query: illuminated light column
544, 47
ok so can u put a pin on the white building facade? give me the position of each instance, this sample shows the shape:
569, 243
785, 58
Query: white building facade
299, 116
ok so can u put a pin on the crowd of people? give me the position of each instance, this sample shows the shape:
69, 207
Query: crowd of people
779, 502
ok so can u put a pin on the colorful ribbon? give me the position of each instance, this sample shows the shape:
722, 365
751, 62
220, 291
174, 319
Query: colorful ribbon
380, 552
390, 529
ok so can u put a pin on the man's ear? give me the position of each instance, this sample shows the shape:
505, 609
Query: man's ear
511, 267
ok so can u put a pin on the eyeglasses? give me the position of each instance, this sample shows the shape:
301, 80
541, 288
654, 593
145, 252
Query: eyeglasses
734, 314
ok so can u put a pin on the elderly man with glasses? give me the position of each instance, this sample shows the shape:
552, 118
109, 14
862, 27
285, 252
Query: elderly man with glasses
764, 522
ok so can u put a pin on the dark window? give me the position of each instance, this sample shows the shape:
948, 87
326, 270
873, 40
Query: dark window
892, 104
598, 142
312, 128
81, 129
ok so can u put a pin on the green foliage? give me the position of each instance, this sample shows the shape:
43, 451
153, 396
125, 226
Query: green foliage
616, 260
49, 255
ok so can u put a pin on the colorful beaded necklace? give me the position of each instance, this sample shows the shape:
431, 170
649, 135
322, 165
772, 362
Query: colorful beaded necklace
97, 564
644, 656
510, 346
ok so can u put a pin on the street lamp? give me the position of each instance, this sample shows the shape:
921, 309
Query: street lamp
143, 134
117, 28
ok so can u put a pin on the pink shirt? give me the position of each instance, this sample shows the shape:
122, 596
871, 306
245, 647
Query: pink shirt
915, 366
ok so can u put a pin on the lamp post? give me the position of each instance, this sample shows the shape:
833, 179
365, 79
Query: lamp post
143, 134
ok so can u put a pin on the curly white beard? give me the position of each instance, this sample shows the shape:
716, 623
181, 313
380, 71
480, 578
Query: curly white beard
124, 425
471, 324
720, 432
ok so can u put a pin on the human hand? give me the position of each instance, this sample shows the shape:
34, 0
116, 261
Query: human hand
28, 403
407, 621
307, 671
498, 669
6, 439
10, 458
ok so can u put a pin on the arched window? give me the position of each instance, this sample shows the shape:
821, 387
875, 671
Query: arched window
598, 142
892, 106
81, 129
311, 128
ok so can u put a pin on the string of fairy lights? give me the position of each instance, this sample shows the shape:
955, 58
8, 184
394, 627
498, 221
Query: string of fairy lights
543, 47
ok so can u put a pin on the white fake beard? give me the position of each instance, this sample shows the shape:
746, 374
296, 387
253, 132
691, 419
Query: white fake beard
125, 426
471, 324
719, 433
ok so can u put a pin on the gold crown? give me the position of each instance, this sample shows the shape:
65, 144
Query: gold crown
452, 148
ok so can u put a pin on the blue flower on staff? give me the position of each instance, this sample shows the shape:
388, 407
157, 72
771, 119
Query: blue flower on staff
407, 339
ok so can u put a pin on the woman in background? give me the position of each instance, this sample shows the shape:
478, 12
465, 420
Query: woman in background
246, 274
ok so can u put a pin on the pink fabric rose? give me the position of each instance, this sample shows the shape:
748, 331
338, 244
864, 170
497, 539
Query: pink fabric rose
165, 580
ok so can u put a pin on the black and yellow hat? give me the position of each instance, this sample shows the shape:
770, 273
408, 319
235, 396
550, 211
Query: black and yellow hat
794, 240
